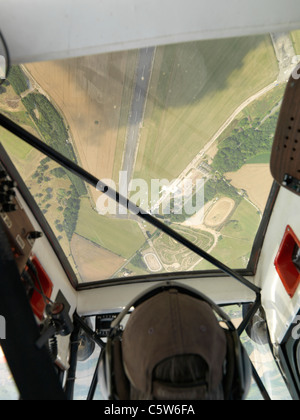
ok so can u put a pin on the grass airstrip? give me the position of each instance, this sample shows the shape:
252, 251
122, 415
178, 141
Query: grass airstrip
194, 89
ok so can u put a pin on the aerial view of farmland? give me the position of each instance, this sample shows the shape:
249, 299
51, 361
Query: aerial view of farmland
200, 111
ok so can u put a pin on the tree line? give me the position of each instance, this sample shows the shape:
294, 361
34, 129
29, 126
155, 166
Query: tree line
243, 144
54, 132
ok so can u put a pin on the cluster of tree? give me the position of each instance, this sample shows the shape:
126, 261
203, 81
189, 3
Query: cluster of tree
18, 80
219, 187
244, 144
59, 226
53, 130
69, 200
78, 183
39, 174
69, 207
71, 213
70, 216
58, 172
48, 120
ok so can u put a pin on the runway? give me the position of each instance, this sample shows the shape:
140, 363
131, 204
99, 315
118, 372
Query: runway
142, 80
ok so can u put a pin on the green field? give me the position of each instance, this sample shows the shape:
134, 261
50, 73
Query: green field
261, 108
24, 156
257, 110
137, 269
263, 158
194, 88
237, 236
123, 237
14, 146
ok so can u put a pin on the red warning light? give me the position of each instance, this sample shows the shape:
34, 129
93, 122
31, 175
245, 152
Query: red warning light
287, 261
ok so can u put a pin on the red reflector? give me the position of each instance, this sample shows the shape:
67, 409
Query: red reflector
37, 302
287, 262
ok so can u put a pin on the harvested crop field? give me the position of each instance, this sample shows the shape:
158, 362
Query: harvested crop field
94, 262
219, 212
256, 180
90, 93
